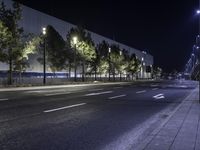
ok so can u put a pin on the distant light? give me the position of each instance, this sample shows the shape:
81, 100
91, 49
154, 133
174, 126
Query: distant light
142, 59
144, 52
120, 53
44, 31
192, 54
198, 11
75, 40
197, 47
109, 50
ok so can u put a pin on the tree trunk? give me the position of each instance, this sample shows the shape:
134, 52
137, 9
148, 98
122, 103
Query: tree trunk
20, 76
114, 74
10, 71
120, 76
83, 71
132, 76
95, 73
69, 71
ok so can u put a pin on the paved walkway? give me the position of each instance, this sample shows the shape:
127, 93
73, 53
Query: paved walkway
181, 131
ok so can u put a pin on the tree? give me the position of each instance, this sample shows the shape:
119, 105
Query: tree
84, 47
115, 59
30, 44
55, 49
134, 65
4, 40
70, 57
100, 62
13, 49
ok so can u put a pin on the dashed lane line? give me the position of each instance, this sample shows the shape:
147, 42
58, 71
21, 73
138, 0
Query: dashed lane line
99, 93
61, 108
138, 92
117, 96
4, 99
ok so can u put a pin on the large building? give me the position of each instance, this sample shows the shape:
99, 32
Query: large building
33, 21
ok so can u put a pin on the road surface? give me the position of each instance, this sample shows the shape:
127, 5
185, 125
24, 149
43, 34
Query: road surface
97, 117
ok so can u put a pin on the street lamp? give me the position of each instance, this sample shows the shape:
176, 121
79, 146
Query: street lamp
198, 13
75, 40
142, 69
120, 74
44, 56
109, 51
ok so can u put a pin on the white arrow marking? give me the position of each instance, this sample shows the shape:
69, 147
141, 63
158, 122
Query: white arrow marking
159, 96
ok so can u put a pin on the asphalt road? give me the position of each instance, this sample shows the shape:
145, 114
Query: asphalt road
98, 117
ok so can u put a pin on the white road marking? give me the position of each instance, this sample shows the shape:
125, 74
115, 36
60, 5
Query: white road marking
52, 94
45, 91
4, 99
117, 87
93, 90
183, 86
117, 96
66, 107
138, 92
159, 96
153, 85
155, 89
92, 94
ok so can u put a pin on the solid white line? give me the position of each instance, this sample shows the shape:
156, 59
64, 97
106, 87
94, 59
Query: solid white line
4, 99
57, 94
93, 90
138, 92
154, 89
116, 96
61, 108
92, 94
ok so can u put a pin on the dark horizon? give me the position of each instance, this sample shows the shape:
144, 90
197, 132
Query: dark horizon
165, 30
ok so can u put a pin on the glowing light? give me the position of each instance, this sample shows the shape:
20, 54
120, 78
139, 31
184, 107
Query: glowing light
75, 40
43, 30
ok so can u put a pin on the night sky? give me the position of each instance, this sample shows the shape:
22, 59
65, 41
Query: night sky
165, 29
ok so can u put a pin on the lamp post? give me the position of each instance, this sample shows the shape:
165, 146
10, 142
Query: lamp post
142, 68
75, 40
44, 56
109, 51
198, 13
120, 74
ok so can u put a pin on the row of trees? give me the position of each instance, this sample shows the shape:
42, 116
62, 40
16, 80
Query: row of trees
16, 47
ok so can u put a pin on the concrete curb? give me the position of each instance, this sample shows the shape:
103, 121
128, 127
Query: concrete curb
59, 86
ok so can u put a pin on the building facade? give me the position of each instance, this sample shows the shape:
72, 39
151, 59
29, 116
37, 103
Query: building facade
32, 22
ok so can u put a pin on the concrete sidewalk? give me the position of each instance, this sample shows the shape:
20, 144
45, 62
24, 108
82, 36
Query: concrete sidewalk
181, 131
